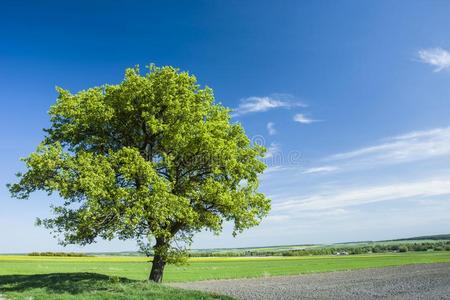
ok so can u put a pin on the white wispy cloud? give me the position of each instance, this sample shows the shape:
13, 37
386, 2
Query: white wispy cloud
276, 168
261, 104
273, 170
345, 197
301, 118
321, 169
271, 128
413, 146
437, 57
406, 148
277, 218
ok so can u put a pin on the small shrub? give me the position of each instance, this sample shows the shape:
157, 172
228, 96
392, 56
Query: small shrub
402, 249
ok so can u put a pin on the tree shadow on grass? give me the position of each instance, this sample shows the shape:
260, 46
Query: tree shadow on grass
72, 283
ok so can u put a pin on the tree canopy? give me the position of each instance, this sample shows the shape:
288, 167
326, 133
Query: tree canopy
154, 155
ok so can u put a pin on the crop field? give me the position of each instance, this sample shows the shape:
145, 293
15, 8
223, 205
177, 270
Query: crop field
110, 277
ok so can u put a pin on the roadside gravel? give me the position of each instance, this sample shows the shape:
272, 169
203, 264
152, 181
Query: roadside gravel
421, 281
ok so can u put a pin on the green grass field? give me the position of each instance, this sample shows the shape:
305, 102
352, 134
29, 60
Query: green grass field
121, 277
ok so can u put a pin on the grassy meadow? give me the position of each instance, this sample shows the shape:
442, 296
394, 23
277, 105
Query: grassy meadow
137, 268
124, 277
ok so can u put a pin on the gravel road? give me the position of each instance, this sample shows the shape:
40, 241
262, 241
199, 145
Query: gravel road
421, 281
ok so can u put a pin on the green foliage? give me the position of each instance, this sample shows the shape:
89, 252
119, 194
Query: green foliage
151, 156
403, 249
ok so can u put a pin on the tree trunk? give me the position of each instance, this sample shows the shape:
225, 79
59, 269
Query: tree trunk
158, 264
157, 271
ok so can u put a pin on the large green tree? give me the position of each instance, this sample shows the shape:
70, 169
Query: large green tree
153, 156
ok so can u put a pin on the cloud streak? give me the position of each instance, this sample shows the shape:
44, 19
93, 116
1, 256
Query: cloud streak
257, 104
322, 169
301, 118
436, 57
413, 146
346, 197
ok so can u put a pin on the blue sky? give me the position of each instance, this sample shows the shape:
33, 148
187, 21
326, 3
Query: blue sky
350, 97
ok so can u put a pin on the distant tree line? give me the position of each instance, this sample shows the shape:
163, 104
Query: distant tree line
436, 246
425, 237
67, 254
378, 248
